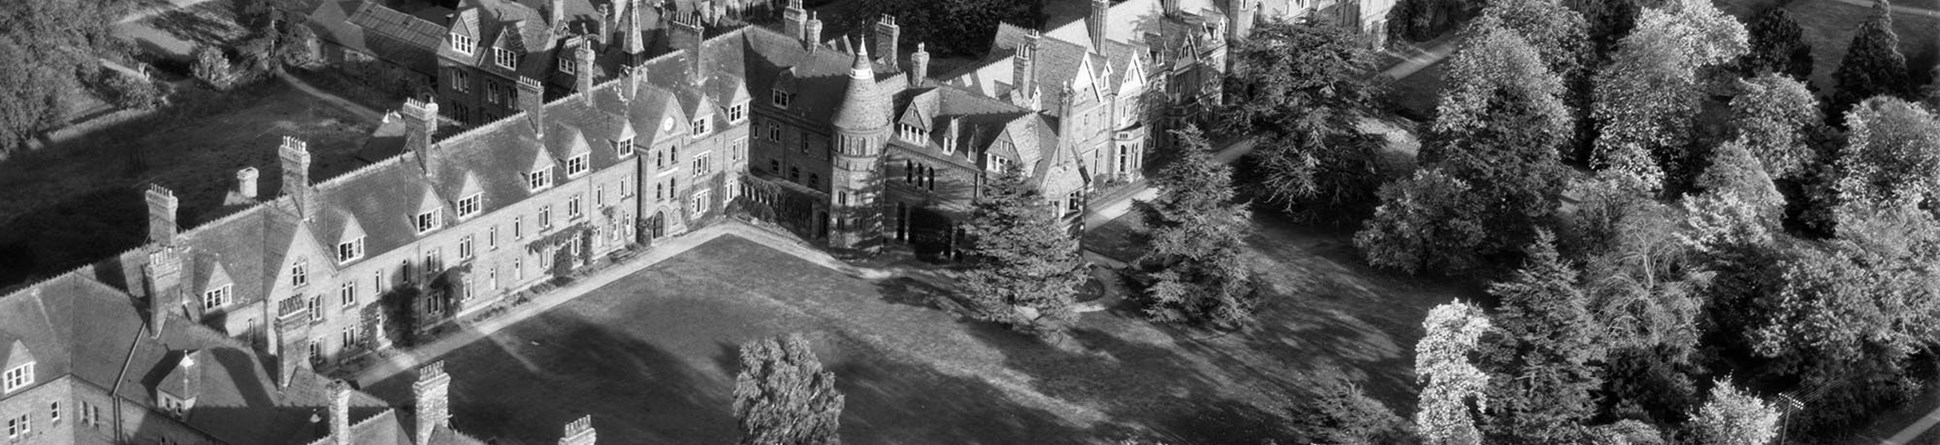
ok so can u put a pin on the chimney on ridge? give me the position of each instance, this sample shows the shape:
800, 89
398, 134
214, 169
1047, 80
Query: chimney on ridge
246, 183
812, 32
1096, 24
886, 34
340, 412
794, 19
161, 215
296, 176
919, 66
163, 274
432, 391
580, 432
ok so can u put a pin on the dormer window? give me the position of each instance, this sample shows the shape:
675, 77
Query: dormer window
505, 58
469, 205
539, 179
567, 65
463, 44
576, 166
911, 133
216, 298
624, 147
700, 126
350, 250
783, 98
737, 113
19, 377
427, 221
949, 145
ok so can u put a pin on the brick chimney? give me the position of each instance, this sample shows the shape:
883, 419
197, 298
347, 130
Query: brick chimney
420, 125
812, 31
340, 413
1096, 23
685, 35
161, 215
163, 275
296, 175
532, 97
584, 70
556, 14
919, 66
580, 432
293, 339
1023, 73
794, 19
886, 34
432, 392
246, 183
604, 23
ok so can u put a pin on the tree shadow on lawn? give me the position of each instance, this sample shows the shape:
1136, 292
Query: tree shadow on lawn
1142, 386
890, 401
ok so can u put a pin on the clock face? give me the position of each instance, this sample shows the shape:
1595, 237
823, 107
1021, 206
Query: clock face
667, 125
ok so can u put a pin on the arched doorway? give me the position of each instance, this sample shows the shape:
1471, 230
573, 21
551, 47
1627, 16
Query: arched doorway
657, 227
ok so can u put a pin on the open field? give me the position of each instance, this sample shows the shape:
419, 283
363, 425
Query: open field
651, 357
79, 200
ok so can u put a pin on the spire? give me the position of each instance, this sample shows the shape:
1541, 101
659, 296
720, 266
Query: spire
863, 107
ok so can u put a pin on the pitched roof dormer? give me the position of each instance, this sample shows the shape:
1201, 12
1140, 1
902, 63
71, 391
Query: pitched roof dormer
509, 47
352, 232
177, 392
19, 367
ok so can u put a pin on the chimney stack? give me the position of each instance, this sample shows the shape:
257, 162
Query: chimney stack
1096, 24
161, 215
604, 23
531, 97
556, 15
246, 183
685, 35
584, 70
432, 390
812, 32
1023, 74
340, 413
580, 432
886, 34
296, 175
794, 19
164, 276
1169, 7
420, 125
919, 66
1240, 18
293, 339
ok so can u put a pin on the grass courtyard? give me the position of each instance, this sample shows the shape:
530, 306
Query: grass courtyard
652, 356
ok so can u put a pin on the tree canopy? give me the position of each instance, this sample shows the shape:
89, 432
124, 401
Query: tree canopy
1541, 353
1777, 116
1450, 381
1497, 69
46, 49
783, 397
1197, 230
1733, 417
1027, 268
1306, 86
1892, 154
1777, 46
1873, 64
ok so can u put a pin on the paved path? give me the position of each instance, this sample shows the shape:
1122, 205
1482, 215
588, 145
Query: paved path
362, 112
1435, 54
1908, 10
1120, 201
158, 10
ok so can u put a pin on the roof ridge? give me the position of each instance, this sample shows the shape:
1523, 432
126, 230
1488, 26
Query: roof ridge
238, 214
36, 285
360, 171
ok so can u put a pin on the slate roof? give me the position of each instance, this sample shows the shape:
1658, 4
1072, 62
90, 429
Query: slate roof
382, 32
1133, 20
821, 75
370, 199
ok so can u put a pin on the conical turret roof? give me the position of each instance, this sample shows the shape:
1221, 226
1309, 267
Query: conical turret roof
865, 107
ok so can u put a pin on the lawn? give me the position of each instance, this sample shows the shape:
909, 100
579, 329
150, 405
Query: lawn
79, 199
651, 357
1415, 96
1829, 26
176, 32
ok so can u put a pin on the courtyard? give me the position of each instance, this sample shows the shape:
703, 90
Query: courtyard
652, 356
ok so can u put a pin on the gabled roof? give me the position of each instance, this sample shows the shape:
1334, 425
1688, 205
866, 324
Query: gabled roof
821, 76
379, 31
368, 198
1132, 20
375, 18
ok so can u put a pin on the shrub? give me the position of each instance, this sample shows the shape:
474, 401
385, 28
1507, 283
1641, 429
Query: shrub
131, 91
212, 68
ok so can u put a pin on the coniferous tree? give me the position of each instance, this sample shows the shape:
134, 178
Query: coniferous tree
1343, 414
1873, 65
1304, 85
1542, 354
782, 396
1028, 267
1777, 46
1197, 232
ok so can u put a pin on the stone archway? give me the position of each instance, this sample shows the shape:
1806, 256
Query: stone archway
657, 226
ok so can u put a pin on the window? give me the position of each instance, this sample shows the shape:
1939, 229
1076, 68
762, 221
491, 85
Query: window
782, 98
427, 221
624, 147
216, 298
700, 126
566, 63
516, 232
1124, 158
738, 149
659, 192
659, 159
351, 250
347, 294
576, 165
491, 237
494, 92
19, 377
737, 113
1074, 204
350, 335
626, 186
316, 349
909, 171
505, 57
774, 166
545, 216
463, 44
19, 426
814, 181
518, 269
700, 202
794, 174
910, 133
54, 412
774, 132
599, 195
299, 273
572, 206
539, 179
316, 308
465, 248
468, 206
949, 145
727, 189
702, 166
461, 81
90, 414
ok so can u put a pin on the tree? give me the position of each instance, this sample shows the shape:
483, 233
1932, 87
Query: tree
1873, 65
1426, 222
1557, 33
1777, 46
1892, 154
1609, 20
1540, 355
1450, 382
1305, 84
1344, 415
46, 49
1197, 232
783, 397
1733, 417
1422, 20
1739, 206
300, 46
212, 68
1027, 268
1711, 37
1497, 69
1626, 432
1776, 116
1648, 96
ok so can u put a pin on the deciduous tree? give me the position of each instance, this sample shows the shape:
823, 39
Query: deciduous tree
1776, 117
1558, 34
1197, 230
1892, 154
1425, 222
1733, 417
1873, 65
782, 396
1626, 432
1344, 415
1451, 384
1647, 97
46, 47
1497, 69
1027, 265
